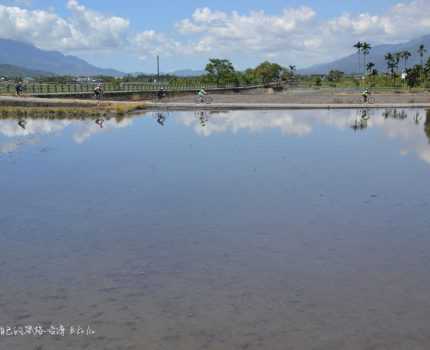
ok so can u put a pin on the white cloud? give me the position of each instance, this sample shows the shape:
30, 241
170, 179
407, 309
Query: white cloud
256, 31
295, 35
84, 29
152, 43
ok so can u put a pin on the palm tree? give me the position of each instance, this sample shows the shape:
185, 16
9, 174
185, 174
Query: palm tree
391, 64
421, 51
405, 55
359, 46
292, 69
397, 58
365, 48
427, 68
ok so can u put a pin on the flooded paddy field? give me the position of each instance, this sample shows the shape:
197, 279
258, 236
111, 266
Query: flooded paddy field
236, 230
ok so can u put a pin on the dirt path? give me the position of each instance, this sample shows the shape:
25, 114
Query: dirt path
288, 99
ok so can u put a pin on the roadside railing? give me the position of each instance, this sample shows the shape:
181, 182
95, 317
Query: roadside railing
75, 89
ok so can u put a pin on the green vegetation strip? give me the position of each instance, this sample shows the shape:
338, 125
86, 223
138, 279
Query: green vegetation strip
111, 110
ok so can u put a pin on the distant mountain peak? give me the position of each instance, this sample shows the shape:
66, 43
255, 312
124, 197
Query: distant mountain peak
28, 56
349, 64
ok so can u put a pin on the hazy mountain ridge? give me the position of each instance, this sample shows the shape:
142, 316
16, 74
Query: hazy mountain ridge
349, 64
188, 73
30, 57
11, 71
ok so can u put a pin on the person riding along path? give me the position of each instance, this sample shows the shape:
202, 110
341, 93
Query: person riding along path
98, 91
19, 88
366, 94
202, 93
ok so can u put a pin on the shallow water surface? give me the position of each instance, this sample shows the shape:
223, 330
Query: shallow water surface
234, 230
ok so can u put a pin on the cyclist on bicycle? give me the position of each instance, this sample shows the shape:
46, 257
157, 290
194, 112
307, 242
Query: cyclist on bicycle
19, 88
161, 93
365, 94
201, 94
98, 91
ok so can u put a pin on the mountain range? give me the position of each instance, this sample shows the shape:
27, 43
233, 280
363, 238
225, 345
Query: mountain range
23, 59
8, 70
27, 56
349, 64
188, 73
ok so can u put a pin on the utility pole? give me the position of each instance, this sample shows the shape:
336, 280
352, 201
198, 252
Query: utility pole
158, 68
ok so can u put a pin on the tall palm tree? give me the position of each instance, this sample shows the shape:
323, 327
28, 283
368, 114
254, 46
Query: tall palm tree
365, 49
397, 58
421, 51
390, 59
359, 46
405, 55
391, 64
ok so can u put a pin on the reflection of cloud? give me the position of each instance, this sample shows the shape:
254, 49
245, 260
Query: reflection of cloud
8, 147
34, 127
302, 122
254, 121
290, 123
10, 127
91, 128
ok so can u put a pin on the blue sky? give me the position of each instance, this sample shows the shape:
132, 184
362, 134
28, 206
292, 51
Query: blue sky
128, 34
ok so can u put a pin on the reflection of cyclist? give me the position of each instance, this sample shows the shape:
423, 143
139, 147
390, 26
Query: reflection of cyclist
99, 122
201, 94
365, 94
203, 118
364, 115
161, 119
22, 123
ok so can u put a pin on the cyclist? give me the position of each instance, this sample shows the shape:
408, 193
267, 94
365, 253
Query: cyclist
365, 94
161, 93
201, 94
19, 88
98, 91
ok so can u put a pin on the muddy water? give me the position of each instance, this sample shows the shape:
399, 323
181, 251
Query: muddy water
239, 230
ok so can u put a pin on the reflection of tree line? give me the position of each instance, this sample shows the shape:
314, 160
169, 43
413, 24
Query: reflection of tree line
395, 114
427, 125
360, 123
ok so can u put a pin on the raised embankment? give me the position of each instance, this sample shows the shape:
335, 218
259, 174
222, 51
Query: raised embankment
9, 101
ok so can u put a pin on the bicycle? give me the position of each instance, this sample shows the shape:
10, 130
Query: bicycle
158, 96
203, 99
370, 100
98, 95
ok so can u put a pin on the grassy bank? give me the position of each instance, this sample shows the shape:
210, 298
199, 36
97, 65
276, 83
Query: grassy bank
106, 110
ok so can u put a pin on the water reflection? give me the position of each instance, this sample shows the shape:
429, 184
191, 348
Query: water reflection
100, 122
160, 117
22, 123
427, 126
167, 231
396, 114
361, 122
403, 125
